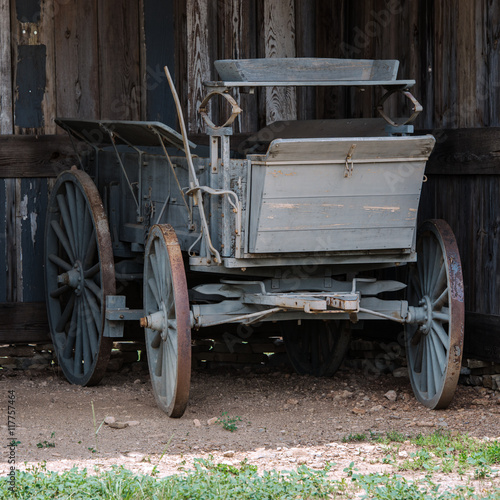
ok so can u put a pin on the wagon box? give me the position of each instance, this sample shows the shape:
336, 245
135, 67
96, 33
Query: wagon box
343, 195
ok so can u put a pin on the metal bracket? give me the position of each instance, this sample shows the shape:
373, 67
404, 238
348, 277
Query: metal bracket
417, 107
117, 314
349, 165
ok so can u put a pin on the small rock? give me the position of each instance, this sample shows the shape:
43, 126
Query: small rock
196, 423
133, 423
292, 401
228, 454
212, 421
137, 381
401, 372
403, 454
109, 420
376, 408
118, 425
426, 424
479, 402
358, 411
391, 395
302, 460
347, 394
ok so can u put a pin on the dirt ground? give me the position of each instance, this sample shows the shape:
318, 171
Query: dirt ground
286, 420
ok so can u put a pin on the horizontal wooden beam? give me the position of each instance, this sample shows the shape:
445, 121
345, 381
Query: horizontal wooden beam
23, 323
36, 156
482, 336
465, 151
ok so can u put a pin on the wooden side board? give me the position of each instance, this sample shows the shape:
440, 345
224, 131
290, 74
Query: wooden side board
23, 323
36, 156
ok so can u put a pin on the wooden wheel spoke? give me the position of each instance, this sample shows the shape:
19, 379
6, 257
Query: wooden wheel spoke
91, 272
94, 288
68, 226
60, 291
59, 262
73, 213
419, 355
90, 252
94, 308
441, 316
71, 337
77, 361
441, 334
90, 322
156, 340
157, 276
441, 300
159, 361
85, 227
63, 239
156, 294
66, 314
440, 354
431, 368
87, 349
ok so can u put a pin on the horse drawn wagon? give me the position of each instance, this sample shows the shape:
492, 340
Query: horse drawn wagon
284, 232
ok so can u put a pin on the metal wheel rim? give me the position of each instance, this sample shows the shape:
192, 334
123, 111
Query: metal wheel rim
165, 289
317, 347
77, 240
435, 357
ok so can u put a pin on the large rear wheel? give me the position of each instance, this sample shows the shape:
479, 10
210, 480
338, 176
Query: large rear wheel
79, 274
434, 348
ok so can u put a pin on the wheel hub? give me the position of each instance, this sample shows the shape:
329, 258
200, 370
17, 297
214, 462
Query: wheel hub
157, 321
426, 304
73, 278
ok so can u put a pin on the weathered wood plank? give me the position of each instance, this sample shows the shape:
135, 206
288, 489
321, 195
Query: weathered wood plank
468, 112
23, 323
490, 90
119, 64
468, 151
10, 240
46, 30
160, 51
3, 241
482, 336
279, 35
200, 60
31, 156
446, 105
331, 102
32, 209
238, 40
76, 52
305, 28
5, 69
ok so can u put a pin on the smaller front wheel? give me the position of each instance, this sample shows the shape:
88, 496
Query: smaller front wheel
317, 347
167, 321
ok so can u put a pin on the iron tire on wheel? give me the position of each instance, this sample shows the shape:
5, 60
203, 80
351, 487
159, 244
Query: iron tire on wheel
434, 349
317, 347
79, 274
167, 322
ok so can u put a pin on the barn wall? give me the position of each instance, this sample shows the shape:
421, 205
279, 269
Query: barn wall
104, 59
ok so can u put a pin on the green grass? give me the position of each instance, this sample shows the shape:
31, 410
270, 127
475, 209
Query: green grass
221, 481
227, 422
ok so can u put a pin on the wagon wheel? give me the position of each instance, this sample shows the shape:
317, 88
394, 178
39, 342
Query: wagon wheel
317, 347
79, 274
168, 327
434, 349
